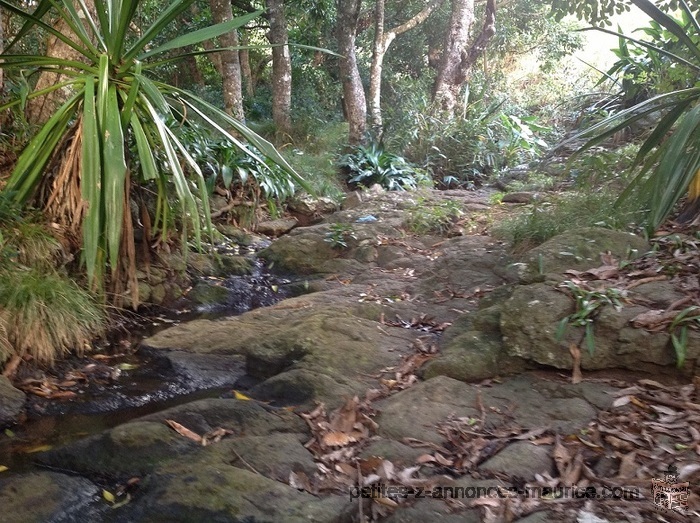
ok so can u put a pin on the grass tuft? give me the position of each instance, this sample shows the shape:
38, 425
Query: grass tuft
44, 315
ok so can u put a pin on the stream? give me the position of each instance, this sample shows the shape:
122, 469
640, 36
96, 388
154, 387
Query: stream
119, 381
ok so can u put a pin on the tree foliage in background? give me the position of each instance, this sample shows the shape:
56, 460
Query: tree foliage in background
119, 127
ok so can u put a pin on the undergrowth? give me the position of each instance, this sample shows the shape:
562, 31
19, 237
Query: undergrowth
560, 213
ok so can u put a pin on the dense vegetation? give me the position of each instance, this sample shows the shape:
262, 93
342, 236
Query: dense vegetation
120, 120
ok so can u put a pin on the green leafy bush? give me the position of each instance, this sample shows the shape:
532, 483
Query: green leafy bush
371, 164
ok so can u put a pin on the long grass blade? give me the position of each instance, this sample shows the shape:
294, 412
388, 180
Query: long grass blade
201, 35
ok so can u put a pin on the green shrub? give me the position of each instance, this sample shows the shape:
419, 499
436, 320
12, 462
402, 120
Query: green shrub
371, 164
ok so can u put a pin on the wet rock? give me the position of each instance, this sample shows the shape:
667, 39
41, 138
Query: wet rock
219, 265
208, 293
521, 459
310, 350
304, 251
11, 402
579, 250
39, 497
132, 449
224, 493
276, 228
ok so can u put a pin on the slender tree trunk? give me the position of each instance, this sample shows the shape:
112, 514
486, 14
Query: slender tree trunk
246, 72
230, 65
281, 69
458, 58
40, 109
354, 100
2, 44
382, 41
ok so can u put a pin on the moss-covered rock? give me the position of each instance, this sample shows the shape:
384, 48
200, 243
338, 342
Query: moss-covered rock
579, 250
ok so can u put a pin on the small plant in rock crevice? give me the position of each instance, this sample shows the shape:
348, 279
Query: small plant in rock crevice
340, 234
588, 305
434, 217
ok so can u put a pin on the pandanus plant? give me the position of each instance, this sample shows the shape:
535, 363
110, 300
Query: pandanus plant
669, 159
119, 126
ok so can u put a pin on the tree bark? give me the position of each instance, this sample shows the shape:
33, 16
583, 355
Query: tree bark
230, 65
246, 71
281, 69
457, 58
382, 41
354, 101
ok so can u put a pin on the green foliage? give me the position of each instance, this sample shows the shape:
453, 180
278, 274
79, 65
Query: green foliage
546, 219
370, 164
115, 102
668, 165
339, 234
428, 217
588, 304
688, 317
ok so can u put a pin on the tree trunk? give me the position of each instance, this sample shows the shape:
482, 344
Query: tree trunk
382, 41
230, 65
40, 109
281, 69
354, 101
246, 71
457, 59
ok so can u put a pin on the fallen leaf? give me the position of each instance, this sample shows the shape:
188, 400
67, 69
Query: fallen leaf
184, 431
240, 396
621, 402
425, 458
300, 481
38, 448
3, 468
336, 439
108, 496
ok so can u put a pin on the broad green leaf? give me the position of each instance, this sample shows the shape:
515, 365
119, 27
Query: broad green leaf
669, 23
91, 186
114, 168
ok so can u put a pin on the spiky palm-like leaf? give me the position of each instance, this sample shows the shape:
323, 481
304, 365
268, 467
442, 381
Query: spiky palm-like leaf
669, 159
113, 102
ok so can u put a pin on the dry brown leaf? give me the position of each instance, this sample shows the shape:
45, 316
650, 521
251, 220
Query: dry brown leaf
561, 456
344, 418
425, 458
621, 402
184, 431
336, 439
369, 465
604, 272
442, 460
387, 502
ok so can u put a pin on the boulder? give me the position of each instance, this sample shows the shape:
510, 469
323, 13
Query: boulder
579, 249
276, 228
11, 402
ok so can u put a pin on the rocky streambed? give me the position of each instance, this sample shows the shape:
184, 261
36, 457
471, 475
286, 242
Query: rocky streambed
414, 361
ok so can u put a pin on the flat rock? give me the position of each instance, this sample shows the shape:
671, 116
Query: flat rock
521, 459
531, 402
276, 228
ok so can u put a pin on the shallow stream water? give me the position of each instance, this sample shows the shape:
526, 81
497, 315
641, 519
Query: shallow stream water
132, 382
